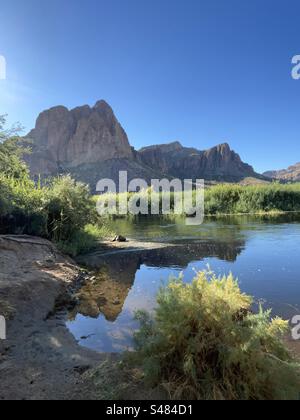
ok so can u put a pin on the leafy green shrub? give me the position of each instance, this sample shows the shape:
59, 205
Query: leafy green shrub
69, 208
22, 207
11, 152
204, 343
85, 240
62, 211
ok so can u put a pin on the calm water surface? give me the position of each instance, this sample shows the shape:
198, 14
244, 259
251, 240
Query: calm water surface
262, 252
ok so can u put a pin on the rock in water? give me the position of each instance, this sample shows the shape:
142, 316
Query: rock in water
120, 238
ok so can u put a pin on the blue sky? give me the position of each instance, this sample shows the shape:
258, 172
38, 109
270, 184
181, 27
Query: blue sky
199, 71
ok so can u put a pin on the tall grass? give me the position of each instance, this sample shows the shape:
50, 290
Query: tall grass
233, 199
204, 343
225, 199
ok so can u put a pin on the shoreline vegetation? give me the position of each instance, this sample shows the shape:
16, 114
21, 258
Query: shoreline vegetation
219, 200
61, 211
64, 211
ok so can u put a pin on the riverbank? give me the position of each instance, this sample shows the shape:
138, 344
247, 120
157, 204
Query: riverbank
40, 358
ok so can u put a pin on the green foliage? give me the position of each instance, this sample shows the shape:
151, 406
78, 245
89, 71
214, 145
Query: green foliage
228, 199
233, 199
85, 240
62, 211
11, 152
204, 343
22, 207
69, 208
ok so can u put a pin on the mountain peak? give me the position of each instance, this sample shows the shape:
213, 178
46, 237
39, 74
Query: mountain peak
164, 148
224, 148
64, 139
103, 106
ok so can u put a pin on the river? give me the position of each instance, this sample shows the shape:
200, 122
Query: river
262, 252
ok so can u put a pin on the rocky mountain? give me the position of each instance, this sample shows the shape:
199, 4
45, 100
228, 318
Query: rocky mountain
219, 163
90, 143
63, 139
291, 174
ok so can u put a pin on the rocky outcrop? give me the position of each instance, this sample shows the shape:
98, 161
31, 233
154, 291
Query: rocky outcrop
64, 140
218, 163
292, 174
90, 144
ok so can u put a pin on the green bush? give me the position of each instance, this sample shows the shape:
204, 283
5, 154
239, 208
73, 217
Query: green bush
69, 208
11, 151
56, 211
231, 198
204, 343
85, 240
61, 211
22, 207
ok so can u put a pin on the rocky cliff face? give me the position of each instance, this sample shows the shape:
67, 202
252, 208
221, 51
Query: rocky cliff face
291, 174
64, 140
218, 163
90, 143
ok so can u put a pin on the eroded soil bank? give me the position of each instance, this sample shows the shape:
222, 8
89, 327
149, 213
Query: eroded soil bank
40, 358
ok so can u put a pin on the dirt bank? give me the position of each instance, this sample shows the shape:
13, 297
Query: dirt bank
40, 359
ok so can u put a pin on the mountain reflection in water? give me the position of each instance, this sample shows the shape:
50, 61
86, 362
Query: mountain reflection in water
261, 252
108, 291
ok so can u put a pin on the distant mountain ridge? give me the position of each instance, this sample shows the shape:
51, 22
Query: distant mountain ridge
90, 143
292, 174
219, 163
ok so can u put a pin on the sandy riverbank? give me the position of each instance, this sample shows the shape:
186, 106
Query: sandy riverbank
40, 358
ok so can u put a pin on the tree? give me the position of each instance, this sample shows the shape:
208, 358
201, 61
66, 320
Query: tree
12, 150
